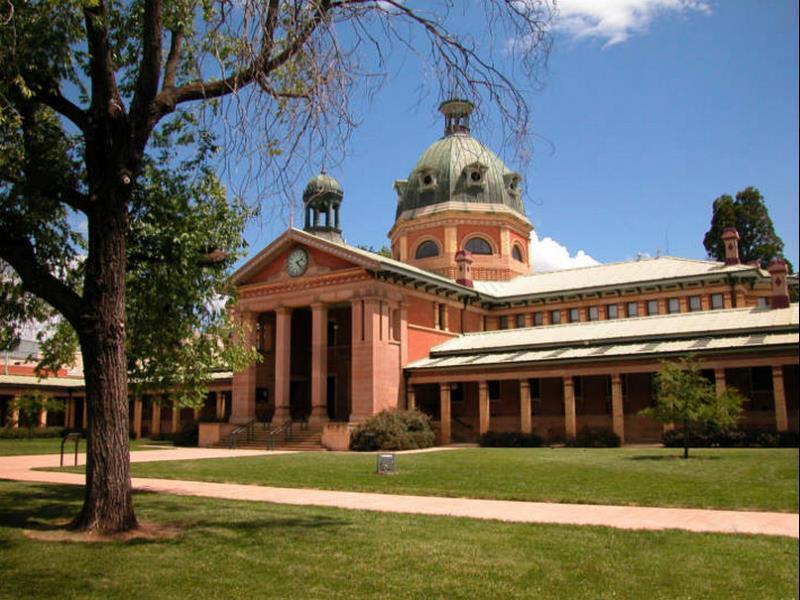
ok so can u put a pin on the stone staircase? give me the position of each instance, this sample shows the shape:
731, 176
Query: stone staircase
307, 439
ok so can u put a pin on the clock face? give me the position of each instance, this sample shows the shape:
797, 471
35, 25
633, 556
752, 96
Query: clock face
297, 263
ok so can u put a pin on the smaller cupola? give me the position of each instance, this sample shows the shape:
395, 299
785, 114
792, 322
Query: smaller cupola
456, 115
323, 198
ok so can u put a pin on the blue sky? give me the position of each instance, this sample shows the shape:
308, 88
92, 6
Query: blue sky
651, 109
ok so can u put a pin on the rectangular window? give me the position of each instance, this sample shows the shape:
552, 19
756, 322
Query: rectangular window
536, 391
717, 301
494, 390
574, 315
762, 302
674, 305
555, 317
612, 311
652, 307
503, 322
538, 319
633, 309
594, 313
520, 321
695, 304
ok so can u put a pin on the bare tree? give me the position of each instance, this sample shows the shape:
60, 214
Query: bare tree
95, 94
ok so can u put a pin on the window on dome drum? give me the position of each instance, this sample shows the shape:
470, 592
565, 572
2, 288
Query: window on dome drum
427, 249
695, 304
673, 305
502, 322
516, 253
538, 319
574, 315
478, 246
717, 301
652, 307
633, 309
555, 317
594, 313
612, 311
520, 321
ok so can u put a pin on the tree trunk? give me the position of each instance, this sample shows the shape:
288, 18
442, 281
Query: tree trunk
685, 440
108, 504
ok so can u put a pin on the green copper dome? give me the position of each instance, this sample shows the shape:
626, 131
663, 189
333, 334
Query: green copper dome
458, 168
322, 187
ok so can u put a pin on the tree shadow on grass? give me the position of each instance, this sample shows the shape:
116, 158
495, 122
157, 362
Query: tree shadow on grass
670, 457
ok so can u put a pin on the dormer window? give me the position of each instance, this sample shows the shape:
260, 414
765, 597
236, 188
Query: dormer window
512, 181
400, 186
475, 174
427, 179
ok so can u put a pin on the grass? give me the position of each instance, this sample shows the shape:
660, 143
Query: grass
739, 479
23, 446
240, 549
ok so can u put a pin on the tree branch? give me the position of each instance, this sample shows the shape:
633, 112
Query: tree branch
105, 94
261, 65
19, 253
53, 98
173, 58
149, 71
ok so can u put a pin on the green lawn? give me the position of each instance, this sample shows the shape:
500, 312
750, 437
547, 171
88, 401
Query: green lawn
758, 479
246, 549
19, 447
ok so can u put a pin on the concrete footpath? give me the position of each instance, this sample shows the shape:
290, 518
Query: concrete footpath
19, 468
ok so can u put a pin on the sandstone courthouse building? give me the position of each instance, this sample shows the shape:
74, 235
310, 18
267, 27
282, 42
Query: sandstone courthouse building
457, 325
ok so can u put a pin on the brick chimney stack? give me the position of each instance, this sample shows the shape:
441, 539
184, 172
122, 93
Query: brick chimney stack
464, 268
731, 238
780, 288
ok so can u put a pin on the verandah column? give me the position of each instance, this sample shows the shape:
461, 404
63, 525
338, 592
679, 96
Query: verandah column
444, 413
137, 417
243, 406
43, 416
779, 396
411, 397
617, 408
283, 353
220, 405
569, 408
524, 406
483, 407
155, 418
719, 380
176, 416
319, 363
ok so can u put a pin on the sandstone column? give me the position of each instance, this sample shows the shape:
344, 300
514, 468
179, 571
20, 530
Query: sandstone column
220, 405
137, 417
43, 417
243, 407
283, 363
617, 408
319, 363
719, 380
779, 394
483, 407
176, 417
411, 395
524, 406
570, 425
155, 418
444, 412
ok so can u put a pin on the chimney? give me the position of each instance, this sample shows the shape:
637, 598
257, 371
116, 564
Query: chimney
731, 238
780, 288
464, 268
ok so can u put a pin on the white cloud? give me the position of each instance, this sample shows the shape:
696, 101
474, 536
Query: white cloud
616, 20
548, 255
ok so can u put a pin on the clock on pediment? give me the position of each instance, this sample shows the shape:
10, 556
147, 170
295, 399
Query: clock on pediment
297, 263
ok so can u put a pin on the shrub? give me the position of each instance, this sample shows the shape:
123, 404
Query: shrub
394, 430
510, 439
600, 437
37, 432
735, 438
189, 435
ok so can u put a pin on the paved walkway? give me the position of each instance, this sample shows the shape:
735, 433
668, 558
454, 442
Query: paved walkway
19, 468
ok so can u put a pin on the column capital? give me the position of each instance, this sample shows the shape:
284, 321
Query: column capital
283, 310
777, 371
483, 384
568, 381
524, 383
616, 377
318, 305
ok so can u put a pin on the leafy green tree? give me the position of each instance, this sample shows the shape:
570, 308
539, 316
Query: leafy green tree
685, 397
28, 407
749, 215
110, 215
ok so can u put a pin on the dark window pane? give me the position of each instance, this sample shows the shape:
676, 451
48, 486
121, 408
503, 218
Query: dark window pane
478, 246
427, 249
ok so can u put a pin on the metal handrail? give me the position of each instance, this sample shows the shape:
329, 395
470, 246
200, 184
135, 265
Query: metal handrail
70, 436
463, 423
285, 428
248, 428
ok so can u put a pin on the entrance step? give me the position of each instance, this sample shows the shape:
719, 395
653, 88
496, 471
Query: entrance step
306, 439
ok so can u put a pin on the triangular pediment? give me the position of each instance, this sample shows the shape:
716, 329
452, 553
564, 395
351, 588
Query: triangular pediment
272, 264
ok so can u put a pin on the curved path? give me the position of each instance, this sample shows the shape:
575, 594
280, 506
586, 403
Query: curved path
20, 468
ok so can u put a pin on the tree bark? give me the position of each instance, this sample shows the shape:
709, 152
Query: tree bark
108, 503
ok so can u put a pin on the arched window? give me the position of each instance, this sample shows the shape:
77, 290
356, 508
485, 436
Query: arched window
427, 249
478, 245
516, 253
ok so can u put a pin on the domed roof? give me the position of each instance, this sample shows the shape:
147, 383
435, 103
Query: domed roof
322, 186
459, 168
